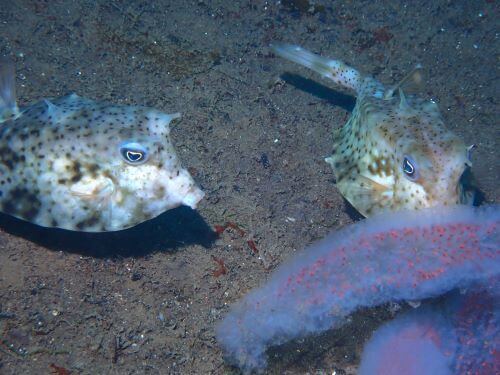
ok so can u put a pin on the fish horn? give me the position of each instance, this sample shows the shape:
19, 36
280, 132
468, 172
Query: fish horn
8, 105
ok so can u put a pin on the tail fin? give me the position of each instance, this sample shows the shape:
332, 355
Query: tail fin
335, 70
8, 105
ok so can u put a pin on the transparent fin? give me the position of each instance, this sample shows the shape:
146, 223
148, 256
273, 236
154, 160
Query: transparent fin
98, 190
8, 105
367, 196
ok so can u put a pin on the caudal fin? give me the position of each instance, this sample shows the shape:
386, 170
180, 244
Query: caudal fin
8, 105
335, 70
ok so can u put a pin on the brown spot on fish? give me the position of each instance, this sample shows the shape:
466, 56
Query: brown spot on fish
88, 223
77, 172
9, 158
22, 203
92, 169
380, 166
159, 191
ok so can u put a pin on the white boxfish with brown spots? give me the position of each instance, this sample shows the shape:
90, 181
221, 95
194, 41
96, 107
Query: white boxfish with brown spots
394, 152
81, 165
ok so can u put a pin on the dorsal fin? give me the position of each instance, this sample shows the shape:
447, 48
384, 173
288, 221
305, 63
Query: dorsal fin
51, 108
414, 75
8, 105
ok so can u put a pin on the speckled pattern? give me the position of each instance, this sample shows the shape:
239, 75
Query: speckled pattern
394, 152
76, 164
254, 132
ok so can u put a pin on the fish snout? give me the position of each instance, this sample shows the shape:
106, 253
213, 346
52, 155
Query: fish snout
193, 197
182, 189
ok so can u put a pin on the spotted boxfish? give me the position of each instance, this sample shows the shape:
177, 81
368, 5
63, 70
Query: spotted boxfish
82, 165
394, 152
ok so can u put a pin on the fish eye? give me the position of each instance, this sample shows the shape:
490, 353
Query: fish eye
133, 153
410, 168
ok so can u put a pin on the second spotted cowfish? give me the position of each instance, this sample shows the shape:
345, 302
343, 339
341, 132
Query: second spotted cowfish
394, 152
81, 165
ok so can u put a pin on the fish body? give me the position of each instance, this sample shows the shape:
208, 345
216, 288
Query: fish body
394, 152
82, 165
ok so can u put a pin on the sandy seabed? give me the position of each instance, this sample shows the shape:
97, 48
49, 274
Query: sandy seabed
254, 134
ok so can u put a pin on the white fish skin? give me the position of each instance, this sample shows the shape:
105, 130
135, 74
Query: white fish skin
81, 165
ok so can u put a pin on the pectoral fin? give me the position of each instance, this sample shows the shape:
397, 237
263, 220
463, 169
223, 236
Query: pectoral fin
364, 194
98, 190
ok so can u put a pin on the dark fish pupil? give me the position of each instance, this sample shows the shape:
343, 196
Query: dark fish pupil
408, 167
134, 156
